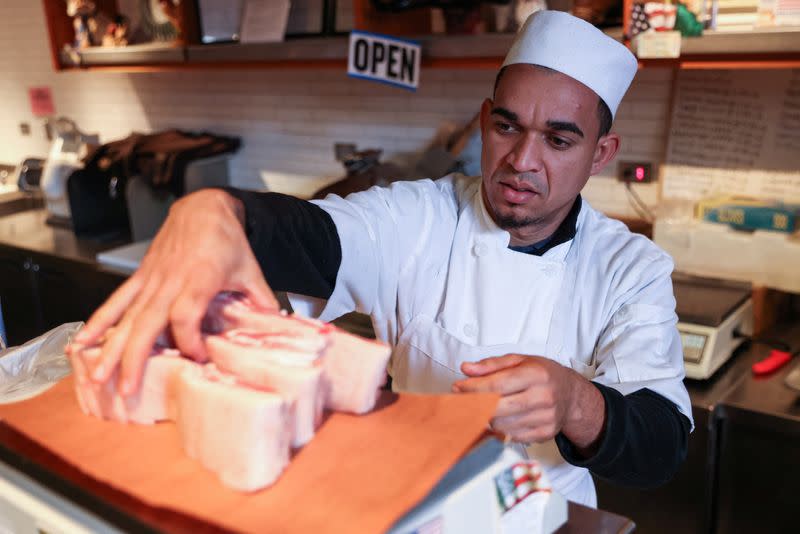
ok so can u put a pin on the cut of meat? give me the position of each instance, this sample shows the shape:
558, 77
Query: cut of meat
354, 368
227, 310
230, 310
289, 366
270, 377
236, 432
156, 398
153, 401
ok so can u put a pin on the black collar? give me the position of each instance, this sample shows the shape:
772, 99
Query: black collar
565, 232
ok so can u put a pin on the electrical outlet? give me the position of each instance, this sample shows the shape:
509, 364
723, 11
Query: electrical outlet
636, 172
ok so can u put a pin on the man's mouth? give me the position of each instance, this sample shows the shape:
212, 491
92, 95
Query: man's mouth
517, 193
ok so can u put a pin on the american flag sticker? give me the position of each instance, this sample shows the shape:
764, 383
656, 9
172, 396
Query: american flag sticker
517, 482
660, 16
639, 22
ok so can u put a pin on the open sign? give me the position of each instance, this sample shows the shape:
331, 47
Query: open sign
384, 59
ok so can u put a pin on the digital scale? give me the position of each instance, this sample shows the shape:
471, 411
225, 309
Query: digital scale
491, 489
714, 317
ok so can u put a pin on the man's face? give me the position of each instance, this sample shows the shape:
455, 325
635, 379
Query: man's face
540, 145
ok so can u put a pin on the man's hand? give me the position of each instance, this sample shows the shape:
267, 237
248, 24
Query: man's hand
200, 250
540, 398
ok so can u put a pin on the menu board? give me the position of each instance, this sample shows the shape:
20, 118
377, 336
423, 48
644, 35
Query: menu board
734, 132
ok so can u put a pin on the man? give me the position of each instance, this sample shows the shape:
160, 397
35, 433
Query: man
508, 282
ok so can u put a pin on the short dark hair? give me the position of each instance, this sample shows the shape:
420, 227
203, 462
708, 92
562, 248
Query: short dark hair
603, 112
604, 116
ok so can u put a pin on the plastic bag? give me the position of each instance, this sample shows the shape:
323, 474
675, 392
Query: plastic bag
29, 369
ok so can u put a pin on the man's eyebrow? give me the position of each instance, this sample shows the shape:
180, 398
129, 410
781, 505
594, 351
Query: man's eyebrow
565, 126
503, 112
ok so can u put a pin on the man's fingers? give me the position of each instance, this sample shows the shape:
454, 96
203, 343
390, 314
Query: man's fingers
146, 320
186, 316
509, 424
491, 365
144, 330
257, 290
102, 368
535, 426
110, 312
87, 358
505, 382
524, 402
199, 246
113, 352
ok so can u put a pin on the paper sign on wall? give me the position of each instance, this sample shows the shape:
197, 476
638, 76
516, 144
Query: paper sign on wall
41, 101
384, 59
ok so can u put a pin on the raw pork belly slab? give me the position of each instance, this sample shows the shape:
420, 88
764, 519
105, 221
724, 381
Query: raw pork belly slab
270, 377
354, 368
228, 311
155, 401
152, 403
287, 365
236, 432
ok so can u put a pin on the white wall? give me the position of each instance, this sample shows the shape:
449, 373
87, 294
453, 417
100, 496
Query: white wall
288, 118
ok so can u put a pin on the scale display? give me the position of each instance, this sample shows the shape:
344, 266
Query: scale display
693, 346
713, 318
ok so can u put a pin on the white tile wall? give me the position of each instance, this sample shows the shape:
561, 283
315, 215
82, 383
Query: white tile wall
288, 119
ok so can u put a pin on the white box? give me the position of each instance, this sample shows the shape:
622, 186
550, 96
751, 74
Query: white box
466, 500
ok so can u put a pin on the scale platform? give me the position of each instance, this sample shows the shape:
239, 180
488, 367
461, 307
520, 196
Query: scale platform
714, 317
484, 492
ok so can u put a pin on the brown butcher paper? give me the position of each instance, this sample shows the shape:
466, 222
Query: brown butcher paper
358, 474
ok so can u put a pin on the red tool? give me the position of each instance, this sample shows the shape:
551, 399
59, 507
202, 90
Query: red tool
773, 362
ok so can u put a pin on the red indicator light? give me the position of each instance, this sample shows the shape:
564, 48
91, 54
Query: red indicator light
639, 173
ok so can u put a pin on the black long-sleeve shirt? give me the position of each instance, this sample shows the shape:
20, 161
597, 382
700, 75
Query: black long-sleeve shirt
645, 437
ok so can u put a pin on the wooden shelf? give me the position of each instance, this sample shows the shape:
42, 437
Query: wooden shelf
142, 54
456, 51
769, 48
762, 49
762, 41
306, 49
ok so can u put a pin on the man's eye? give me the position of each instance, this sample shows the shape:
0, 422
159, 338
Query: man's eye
504, 127
559, 142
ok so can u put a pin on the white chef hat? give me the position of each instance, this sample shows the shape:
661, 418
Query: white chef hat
574, 47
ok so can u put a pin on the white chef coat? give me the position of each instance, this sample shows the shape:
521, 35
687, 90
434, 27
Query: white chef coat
426, 261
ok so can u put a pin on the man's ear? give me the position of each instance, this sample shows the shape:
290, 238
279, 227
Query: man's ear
604, 152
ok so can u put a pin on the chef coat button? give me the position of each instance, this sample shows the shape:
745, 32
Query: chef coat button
480, 249
470, 330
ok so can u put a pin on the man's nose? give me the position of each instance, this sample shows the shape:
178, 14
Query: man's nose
526, 155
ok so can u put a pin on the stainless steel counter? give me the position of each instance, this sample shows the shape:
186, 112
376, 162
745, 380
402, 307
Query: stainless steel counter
744, 452
16, 201
28, 231
758, 451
